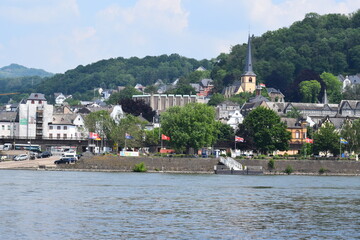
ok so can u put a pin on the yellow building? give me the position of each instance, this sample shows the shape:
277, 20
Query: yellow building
248, 78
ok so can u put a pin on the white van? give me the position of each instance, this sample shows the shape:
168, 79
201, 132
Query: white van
69, 155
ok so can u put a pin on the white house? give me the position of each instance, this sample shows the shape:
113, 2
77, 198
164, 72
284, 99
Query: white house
67, 126
235, 119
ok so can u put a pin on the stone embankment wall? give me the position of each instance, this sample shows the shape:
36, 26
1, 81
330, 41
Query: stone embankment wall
206, 165
331, 167
116, 163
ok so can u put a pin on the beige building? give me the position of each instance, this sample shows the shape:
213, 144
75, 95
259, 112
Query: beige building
161, 102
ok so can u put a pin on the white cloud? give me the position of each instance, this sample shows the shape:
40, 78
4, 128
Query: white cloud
276, 15
41, 13
163, 15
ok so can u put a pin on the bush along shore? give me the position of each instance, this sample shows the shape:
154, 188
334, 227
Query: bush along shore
206, 165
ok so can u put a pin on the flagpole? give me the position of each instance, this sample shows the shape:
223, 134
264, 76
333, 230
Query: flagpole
340, 148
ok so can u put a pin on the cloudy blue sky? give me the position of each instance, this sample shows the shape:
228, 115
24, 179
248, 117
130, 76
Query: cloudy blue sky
58, 35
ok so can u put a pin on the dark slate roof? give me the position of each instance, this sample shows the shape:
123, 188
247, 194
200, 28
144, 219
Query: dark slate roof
354, 79
354, 104
8, 116
228, 103
196, 86
273, 90
313, 106
291, 122
37, 96
206, 82
259, 98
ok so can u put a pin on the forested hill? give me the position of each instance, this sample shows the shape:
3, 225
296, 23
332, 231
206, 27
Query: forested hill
121, 72
283, 58
17, 71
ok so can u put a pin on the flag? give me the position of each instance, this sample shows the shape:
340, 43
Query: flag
309, 140
93, 135
342, 140
239, 139
164, 137
262, 85
128, 136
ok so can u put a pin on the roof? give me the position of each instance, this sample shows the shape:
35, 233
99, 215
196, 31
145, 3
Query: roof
259, 98
248, 70
313, 106
8, 116
354, 104
291, 122
63, 119
206, 82
37, 96
354, 79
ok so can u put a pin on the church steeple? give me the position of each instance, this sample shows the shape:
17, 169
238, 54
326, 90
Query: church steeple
248, 69
248, 78
325, 98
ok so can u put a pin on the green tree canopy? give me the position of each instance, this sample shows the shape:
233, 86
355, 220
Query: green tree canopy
326, 139
126, 93
310, 90
266, 130
191, 126
216, 99
333, 87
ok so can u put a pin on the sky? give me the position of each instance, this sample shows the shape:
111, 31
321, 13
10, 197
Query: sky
59, 35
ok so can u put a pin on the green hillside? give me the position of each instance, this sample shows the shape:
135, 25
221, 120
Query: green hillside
121, 72
285, 57
17, 71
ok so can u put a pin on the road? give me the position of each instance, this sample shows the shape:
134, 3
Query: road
48, 162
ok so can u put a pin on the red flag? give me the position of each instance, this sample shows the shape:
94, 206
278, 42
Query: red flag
93, 135
309, 140
239, 139
164, 137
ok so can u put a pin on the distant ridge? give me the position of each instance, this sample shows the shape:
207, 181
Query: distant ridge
16, 70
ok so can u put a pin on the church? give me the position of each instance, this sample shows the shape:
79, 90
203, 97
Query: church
247, 82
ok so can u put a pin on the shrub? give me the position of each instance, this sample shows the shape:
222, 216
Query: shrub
289, 169
140, 167
271, 164
323, 170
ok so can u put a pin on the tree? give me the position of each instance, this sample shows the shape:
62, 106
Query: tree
216, 99
126, 93
137, 107
267, 130
326, 139
99, 122
182, 89
351, 133
310, 90
129, 125
294, 113
152, 137
333, 87
191, 126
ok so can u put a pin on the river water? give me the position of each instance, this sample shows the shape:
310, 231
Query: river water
102, 205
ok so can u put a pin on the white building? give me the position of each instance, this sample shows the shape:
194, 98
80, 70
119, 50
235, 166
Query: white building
34, 116
8, 125
67, 126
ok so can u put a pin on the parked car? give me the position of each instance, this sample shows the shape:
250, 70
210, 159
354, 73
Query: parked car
45, 154
21, 157
66, 160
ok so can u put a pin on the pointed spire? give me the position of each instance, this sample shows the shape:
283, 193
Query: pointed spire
248, 70
325, 98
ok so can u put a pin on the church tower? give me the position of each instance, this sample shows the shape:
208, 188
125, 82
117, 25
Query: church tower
248, 78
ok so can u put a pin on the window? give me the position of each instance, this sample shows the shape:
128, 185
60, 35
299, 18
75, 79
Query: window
65, 127
58, 127
3, 127
8, 127
250, 79
65, 135
50, 135
297, 134
51, 127
40, 102
58, 136
32, 101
